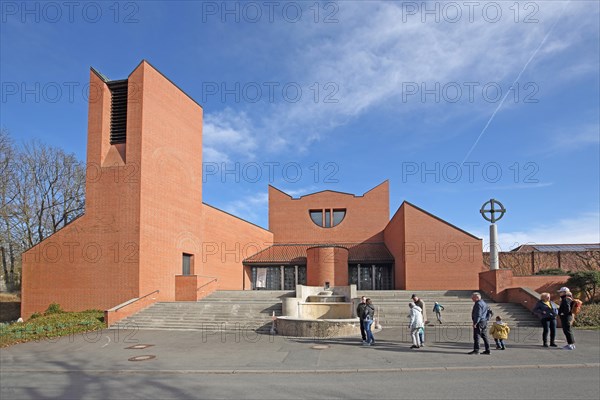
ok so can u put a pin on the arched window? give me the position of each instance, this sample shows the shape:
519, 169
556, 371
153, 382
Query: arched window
327, 218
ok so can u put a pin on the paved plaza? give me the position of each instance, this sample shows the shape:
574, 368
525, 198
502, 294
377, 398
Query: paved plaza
242, 364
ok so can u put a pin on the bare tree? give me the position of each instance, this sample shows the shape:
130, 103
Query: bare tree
588, 260
7, 196
41, 191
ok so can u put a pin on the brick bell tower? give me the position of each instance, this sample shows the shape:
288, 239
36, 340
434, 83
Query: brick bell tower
143, 200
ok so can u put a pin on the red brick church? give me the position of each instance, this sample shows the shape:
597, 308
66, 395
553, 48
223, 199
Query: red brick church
147, 231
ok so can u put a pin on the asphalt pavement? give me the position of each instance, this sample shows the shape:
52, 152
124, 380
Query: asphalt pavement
160, 364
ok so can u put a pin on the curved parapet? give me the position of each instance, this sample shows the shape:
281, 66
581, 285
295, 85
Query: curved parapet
317, 328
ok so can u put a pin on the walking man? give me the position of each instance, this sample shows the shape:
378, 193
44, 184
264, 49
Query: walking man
479, 316
360, 310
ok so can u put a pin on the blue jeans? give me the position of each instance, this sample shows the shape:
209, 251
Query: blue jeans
367, 325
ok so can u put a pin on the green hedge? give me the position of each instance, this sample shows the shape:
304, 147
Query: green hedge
551, 271
589, 316
50, 325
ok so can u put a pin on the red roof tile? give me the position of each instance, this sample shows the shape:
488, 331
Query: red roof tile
296, 253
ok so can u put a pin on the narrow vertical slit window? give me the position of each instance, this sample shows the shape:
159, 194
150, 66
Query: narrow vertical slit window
118, 111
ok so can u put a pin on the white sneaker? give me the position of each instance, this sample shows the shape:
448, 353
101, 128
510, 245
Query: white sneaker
569, 347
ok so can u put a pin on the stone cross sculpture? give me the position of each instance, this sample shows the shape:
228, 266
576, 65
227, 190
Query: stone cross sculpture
496, 211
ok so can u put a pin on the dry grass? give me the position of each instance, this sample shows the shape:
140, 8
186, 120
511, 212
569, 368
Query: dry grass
10, 297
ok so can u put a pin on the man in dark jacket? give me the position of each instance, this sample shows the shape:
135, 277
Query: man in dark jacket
566, 316
479, 316
360, 310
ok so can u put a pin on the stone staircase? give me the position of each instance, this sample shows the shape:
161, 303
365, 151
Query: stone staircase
235, 310
223, 310
392, 306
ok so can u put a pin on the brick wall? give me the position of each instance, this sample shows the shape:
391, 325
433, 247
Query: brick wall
93, 262
228, 240
528, 263
394, 237
496, 283
169, 134
438, 256
365, 220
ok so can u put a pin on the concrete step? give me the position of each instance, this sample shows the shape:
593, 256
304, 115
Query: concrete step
251, 310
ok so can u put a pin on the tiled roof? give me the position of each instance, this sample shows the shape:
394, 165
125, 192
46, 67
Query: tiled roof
557, 247
296, 253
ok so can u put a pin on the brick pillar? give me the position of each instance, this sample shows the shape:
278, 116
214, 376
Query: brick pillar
327, 264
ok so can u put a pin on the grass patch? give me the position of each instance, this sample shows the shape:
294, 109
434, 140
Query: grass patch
51, 325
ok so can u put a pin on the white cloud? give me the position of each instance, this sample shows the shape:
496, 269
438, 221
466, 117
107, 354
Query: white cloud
584, 228
371, 60
300, 191
226, 133
574, 138
249, 207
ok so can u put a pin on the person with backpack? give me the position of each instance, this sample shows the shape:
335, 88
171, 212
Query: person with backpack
368, 316
547, 311
499, 332
437, 309
480, 315
566, 316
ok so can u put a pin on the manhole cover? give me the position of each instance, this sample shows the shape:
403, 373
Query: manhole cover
320, 347
141, 358
139, 346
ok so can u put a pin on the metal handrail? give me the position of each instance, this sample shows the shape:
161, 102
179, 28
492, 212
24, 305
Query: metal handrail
138, 299
207, 283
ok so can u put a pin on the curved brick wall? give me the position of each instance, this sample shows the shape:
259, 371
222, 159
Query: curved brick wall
327, 264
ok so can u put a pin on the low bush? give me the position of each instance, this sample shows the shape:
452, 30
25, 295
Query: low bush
51, 325
551, 271
589, 316
53, 308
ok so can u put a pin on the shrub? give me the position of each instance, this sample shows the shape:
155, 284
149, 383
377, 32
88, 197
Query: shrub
35, 315
585, 282
551, 271
53, 308
40, 327
589, 316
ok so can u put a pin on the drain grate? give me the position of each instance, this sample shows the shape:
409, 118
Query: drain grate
139, 346
320, 347
141, 358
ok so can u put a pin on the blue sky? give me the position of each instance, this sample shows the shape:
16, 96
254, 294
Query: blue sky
342, 95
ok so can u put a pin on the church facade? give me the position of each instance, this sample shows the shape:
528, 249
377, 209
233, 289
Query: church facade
147, 231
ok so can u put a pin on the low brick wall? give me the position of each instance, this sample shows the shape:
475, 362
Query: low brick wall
186, 288
128, 308
541, 283
495, 283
